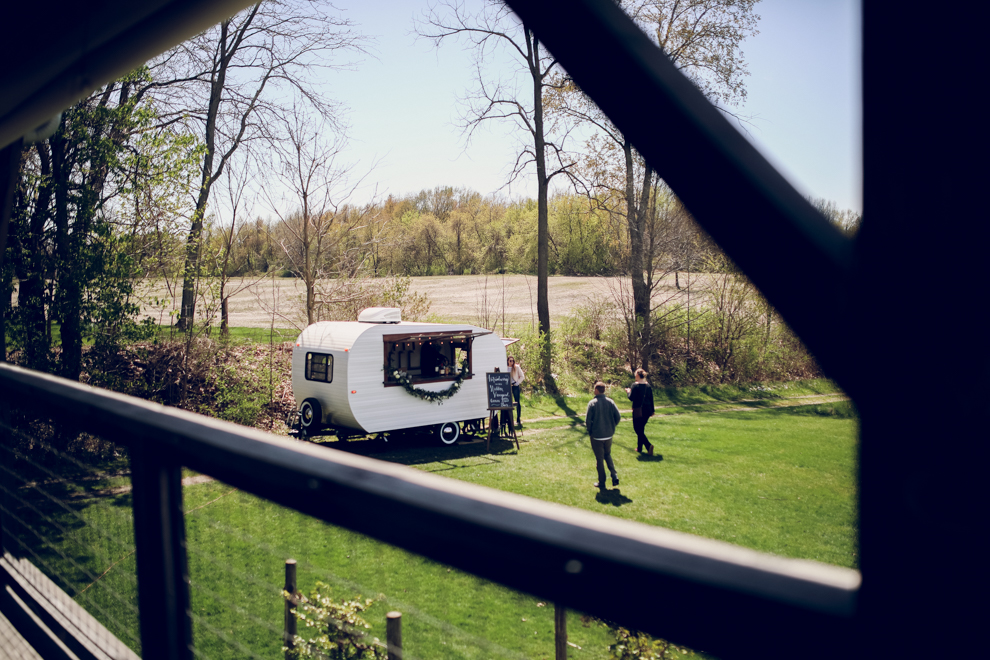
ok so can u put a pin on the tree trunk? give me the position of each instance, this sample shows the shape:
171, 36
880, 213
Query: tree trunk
643, 303
69, 300
224, 318
10, 159
190, 273
31, 293
636, 221
309, 268
542, 223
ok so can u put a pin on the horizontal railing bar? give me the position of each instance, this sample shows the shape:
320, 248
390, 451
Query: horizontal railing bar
719, 597
104, 51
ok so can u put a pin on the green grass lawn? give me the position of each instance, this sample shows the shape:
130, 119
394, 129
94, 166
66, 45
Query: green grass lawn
776, 480
256, 335
779, 480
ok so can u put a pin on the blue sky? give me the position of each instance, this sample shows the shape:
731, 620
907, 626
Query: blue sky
804, 97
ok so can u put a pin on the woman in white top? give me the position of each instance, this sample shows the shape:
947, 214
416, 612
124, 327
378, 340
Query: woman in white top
517, 376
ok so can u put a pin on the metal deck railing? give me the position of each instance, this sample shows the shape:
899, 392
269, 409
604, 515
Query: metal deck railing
589, 562
920, 479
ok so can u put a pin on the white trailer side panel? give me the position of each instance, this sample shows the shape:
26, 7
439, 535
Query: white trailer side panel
357, 398
336, 339
378, 408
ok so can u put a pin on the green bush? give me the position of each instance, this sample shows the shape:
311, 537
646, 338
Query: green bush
333, 629
635, 645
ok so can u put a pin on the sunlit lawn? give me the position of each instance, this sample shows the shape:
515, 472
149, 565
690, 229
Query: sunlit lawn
777, 480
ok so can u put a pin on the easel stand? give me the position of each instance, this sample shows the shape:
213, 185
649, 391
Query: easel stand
493, 425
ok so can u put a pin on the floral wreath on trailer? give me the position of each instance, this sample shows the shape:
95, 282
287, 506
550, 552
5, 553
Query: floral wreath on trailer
427, 395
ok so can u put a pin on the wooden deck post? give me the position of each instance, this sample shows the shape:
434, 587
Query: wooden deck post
159, 538
289, 636
393, 635
560, 631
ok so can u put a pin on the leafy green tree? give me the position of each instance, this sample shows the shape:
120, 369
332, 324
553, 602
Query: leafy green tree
580, 239
73, 248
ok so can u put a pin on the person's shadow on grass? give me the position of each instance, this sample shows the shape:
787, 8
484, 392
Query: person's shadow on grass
646, 458
613, 497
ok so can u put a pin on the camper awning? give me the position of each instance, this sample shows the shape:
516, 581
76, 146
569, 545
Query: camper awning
445, 335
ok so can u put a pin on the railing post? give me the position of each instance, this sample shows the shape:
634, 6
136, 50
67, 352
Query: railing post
160, 539
560, 631
6, 450
289, 636
393, 635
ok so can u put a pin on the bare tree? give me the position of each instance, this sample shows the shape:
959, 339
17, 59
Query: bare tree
490, 31
240, 73
314, 235
735, 310
848, 221
703, 39
225, 246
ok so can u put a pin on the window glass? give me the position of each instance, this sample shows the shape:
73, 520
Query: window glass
319, 366
424, 358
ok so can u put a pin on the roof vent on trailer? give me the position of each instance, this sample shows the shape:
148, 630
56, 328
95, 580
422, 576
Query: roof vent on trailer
380, 315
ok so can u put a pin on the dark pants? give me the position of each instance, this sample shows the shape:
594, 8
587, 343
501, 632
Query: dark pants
516, 393
603, 455
639, 425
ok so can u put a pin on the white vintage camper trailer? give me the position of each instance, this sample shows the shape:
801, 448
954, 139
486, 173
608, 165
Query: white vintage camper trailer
379, 373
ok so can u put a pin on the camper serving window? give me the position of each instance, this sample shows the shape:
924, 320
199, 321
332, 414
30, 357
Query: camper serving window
429, 357
319, 366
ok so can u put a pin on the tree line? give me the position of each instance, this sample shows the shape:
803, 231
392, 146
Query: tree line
156, 175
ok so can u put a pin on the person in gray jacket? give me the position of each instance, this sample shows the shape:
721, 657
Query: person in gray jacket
602, 418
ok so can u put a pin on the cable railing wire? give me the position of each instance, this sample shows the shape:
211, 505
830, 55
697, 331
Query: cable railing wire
56, 500
45, 540
96, 473
405, 608
217, 598
57, 478
76, 535
42, 562
72, 534
201, 621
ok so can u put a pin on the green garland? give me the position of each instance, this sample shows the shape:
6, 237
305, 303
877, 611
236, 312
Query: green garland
426, 395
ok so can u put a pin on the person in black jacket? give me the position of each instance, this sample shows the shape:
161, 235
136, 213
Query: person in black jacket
641, 395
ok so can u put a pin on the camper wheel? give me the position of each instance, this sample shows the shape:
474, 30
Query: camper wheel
449, 433
310, 416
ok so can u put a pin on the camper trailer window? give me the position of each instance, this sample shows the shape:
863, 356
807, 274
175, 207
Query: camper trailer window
427, 357
319, 366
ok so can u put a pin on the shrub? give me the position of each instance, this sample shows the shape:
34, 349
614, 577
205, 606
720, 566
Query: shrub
246, 383
334, 629
635, 645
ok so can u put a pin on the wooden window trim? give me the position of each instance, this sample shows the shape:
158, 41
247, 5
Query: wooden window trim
419, 337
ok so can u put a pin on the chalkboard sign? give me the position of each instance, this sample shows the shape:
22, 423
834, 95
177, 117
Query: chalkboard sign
499, 390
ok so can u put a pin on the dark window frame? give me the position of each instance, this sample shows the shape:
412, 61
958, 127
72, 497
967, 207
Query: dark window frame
328, 374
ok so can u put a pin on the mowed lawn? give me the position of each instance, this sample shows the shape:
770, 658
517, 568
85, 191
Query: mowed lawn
776, 480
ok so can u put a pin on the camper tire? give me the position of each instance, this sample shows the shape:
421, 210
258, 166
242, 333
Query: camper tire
449, 432
310, 416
